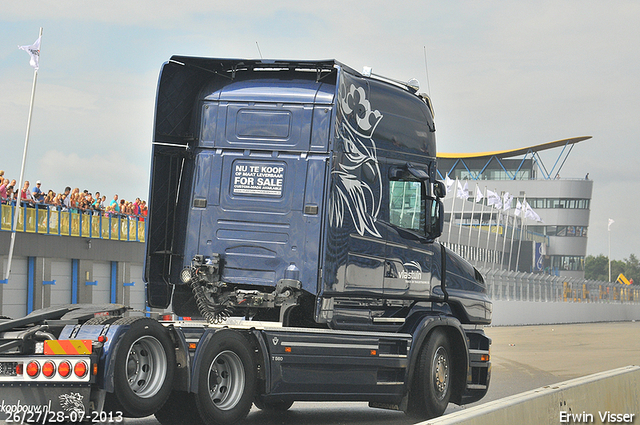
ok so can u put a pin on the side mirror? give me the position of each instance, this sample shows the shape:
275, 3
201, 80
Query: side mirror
435, 218
438, 189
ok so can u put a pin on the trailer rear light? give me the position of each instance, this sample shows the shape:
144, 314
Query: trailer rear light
102, 339
33, 368
19, 368
80, 369
48, 369
64, 369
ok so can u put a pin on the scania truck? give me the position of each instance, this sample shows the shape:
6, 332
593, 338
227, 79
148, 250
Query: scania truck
294, 216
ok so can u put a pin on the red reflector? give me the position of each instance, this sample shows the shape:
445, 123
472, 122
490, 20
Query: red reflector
48, 369
80, 369
19, 369
186, 318
167, 317
33, 369
64, 369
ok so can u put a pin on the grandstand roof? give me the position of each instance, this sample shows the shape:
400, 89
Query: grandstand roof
514, 152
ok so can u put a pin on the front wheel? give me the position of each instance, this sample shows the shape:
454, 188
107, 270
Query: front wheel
226, 379
431, 388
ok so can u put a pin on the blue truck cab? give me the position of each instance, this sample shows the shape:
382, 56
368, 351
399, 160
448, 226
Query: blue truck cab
294, 216
304, 193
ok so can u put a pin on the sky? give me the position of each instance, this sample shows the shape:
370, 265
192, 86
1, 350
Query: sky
501, 75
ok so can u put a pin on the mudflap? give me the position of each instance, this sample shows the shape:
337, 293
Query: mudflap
34, 403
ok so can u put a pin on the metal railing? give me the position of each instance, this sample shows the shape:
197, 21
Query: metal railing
49, 221
520, 286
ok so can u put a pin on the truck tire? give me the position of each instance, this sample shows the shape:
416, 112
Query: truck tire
226, 379
272, 405
179, 409
143, 369
431, 388
102, 320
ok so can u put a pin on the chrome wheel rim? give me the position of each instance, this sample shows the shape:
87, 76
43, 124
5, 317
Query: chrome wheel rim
226, 380
440, 373
146, 366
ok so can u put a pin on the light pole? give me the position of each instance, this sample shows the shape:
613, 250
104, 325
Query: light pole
609, 230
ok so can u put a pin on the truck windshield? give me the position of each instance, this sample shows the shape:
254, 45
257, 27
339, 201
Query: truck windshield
407, 205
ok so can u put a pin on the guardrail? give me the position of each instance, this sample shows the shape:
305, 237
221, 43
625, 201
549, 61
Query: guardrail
519, 286
48, 221
606, 397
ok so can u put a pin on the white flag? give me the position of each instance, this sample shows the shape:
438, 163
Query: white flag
610, 223
518, 208
448, 183
34, 52
463, 192
530, 213
506, 201
494, 199
479, 195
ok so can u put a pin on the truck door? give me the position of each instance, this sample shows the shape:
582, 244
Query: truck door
408, 258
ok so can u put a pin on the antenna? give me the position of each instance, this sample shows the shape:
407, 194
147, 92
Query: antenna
426, 69
259, 52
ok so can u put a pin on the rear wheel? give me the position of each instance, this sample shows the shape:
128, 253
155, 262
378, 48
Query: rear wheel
226, 379
143, 369
431, 388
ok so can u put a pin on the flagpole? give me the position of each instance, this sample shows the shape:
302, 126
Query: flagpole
609, 231
453, 202
489, 233
481, 217
522, 224
513, 234
473, 211
24, 160
464, 201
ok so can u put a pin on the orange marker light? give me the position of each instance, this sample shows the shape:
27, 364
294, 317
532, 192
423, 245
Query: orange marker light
287, 349
48, 369
374, 353
192, 345
33, 369
64, 369
80, 369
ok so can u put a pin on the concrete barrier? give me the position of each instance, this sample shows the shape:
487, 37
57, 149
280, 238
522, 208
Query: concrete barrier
603, 398
508, 313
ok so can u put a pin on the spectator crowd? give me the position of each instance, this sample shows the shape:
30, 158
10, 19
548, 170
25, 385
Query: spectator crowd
70, 200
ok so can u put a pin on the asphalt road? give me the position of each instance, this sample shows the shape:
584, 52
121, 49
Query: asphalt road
523, 358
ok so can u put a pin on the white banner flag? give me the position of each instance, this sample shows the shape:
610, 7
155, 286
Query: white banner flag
530, 213
506, 201
448, 183
34, 52
479, 194
463, 192
518, 208
494, 199
610, 223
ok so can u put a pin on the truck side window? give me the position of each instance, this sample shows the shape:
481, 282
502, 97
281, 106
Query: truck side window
407, 205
